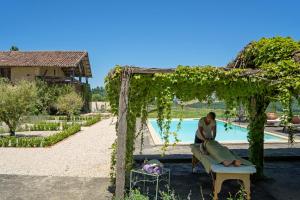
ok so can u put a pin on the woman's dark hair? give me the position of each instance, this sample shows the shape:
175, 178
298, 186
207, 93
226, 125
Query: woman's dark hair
213, 115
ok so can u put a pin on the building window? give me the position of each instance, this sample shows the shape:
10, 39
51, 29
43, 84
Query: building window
5, 72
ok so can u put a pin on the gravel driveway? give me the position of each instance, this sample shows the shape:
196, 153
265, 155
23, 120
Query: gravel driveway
85, 154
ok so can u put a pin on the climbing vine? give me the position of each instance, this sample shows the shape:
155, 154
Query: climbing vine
264, 71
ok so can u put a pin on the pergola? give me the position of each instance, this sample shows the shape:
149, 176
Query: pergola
127, 72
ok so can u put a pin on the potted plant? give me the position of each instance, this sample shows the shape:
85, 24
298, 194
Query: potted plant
295, 120
272, 115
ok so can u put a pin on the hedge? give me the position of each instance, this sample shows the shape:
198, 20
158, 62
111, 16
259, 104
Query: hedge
92, 120
12, 141
43, 126
73, 118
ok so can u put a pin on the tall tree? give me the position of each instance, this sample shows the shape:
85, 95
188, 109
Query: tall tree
14, 48
69, 104
16, 101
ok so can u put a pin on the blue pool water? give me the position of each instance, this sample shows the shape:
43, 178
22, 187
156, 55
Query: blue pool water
186, 134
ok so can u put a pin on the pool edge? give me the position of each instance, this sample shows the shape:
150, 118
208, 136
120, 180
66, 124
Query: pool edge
158, 141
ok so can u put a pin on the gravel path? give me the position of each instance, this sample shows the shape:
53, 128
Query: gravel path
85, 154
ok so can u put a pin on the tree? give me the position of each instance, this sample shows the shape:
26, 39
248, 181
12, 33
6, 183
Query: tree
48, 95
14, 48
16, 101
69, 104
99, 94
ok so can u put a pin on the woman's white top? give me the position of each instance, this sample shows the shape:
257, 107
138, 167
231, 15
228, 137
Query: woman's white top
207, 129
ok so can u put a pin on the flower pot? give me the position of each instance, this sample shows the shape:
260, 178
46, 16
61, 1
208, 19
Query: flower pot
295, 120
272, 116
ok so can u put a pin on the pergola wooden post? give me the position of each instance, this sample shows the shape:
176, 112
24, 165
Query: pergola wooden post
122, 132
122, 124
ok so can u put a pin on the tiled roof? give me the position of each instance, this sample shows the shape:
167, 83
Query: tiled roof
41, 58
45, 59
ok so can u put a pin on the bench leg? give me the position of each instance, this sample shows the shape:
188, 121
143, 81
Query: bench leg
218, 185
247, 183
194, 162
220, 178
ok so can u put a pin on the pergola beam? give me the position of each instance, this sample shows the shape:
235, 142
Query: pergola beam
142, 70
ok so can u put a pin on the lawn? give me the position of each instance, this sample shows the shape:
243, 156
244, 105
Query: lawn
190, 112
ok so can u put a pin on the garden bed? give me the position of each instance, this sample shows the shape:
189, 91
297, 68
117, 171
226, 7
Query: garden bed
36, 141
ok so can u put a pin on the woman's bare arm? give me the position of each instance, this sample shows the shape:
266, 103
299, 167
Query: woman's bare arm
201, 132
214, 129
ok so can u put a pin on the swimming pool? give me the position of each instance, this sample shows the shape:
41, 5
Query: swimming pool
186, 134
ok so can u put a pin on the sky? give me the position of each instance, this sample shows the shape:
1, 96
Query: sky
146, 33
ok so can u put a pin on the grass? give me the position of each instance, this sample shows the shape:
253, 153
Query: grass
189, 112
201, 111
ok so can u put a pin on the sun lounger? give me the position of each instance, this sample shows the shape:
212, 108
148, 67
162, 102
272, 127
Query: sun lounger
274, 122
220, 173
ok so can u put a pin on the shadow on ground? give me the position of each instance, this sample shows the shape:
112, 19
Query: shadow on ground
18, 187
281, 182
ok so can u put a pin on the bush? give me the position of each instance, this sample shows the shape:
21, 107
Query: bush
48, 95
2, 130
69, 104
53, 139
168, 195
136, 195
74, 118
43, 126
11, 141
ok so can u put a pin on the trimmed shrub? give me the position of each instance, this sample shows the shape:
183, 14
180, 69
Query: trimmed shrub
92, 120
53, 139
11, 141
45, 126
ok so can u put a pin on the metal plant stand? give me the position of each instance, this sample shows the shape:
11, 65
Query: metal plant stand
150, 184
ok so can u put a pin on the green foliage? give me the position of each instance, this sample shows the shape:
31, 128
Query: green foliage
55, 138
113, 161
268, 50
165, 195
16, 101
92, 120
69, 104
12, 141
73, 118
86, 96
48, 95
43, 126
135, 195
14, 48
188, 112
99, 94
240, 195
277, 80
